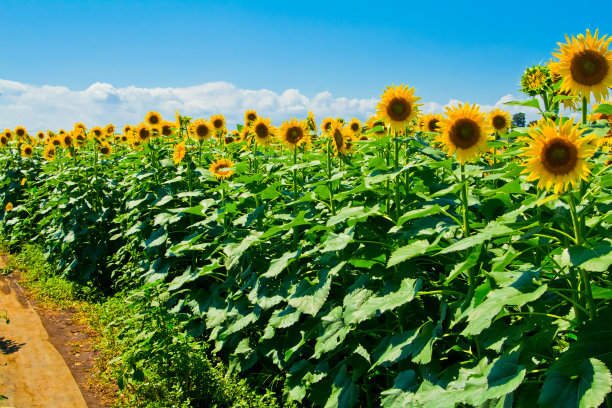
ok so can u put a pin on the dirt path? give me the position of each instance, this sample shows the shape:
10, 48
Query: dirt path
32, 371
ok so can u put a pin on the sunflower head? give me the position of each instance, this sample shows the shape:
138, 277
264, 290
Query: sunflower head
354, 127
40, 135
20, 132
431, 122
179, 153
66, 140
536, 80
398, 106
222, 168
3, 140
218, 123
312, 123
464, 132
79, 138
109, 129
250, 116
340, 139
96, 131
374, 122
557, 155
8, 207
105, 149
585, 64
499, 121
327, 124
80, 126
8, 133
263, 131
294, 133
201, 130
142, 132
167, 129
153, 118
601, 116
27, 150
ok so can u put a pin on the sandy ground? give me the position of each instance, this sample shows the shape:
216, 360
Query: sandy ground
32, 372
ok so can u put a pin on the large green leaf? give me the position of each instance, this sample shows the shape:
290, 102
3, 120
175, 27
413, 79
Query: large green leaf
279, 264
308, 297
344, 393
410, 251
493, 229
235, 250
332, 333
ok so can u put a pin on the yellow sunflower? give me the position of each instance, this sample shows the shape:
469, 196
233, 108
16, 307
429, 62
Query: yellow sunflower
294, 133
8, 207
354, 126
326, 125
312, 123
585, 64
142, 132
27, 150
374, 122
218, 124
263, 131
8, 134
499, 121
105, 149
153, 118
55, 141
81, 126
250, 116
3, 140
341, 139
66, 140
398, 106
40, 135
109, 129
556, 155
222, 168
20, 132
179, 153
601, 116
79, 138
49, 153
431, 122
464, 132
245, 132
167, 129
201, 130
96, 131
536, 80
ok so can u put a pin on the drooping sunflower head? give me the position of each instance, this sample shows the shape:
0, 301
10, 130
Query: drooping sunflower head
109, 129
585, 64
167, 129
499, 121
222, 168
245, 133
263, 131
340, 139
142, 132
557, 155
464, 132
398, 106
250, 116
431, 122
312, 123
294, 133
535, 80
200, 130
20, 132
354, 126
179, 153
376, 123
153, 118
27, 150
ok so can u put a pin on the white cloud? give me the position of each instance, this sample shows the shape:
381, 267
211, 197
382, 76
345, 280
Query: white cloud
55, 107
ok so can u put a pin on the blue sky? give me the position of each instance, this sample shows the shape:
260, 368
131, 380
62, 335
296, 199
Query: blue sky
468, 51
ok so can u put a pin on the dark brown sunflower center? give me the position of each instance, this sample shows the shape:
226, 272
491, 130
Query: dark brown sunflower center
355, 127
67, 140
294, 134
166, 130
218, 123
202, 130
144, 134
338, 138
499, 122
3, 140
589, 68
251, 117
327, 126
229, 140
56, 142
559, 156
105, 150
153, 119
28, 151
20, 132
262, 131
432, 125
97, 132
464, 133
399, 109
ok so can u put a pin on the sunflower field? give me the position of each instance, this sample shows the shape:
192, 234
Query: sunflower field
441, 260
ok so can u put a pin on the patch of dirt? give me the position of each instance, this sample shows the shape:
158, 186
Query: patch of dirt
73, 341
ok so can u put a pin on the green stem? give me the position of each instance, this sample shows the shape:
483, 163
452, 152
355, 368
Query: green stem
464, 201
397, 179
584, 110
296, 240
330, 184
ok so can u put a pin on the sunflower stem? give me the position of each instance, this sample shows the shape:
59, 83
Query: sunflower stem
295, 208
464, 201
329, 176
397, 180
584, 110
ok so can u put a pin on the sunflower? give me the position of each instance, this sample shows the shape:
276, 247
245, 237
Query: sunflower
79, 138
3, 140
354, 127
153, 118
8, 207
431, 122
96, 131
312, 123
294, 133
250, 116
245, 132
374, 122
499, 121
109, 129
142, 132
218, 123
81, 126
200, 130
464, 132
166, 129
326, 125
27, 150
66, 140
340, 139
40, 135
557, 155
536, 80
20, 132
55, 141
222, 168
179, 153
585, 64
8, 134
601, 116
398, 106
263, 131
105, 149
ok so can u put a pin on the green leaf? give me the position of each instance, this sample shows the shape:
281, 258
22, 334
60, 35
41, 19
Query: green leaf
409, 251
344, 393
419, 213
604, 108
352, 213
332, 332
492, 230
156, 239
534, 103
279, 264
337, 242
586, 389
597, 259
461, 267
394, 348
402, 393
309, 298
235, 250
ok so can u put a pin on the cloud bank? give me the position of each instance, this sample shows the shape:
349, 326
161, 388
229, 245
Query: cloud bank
55, 107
